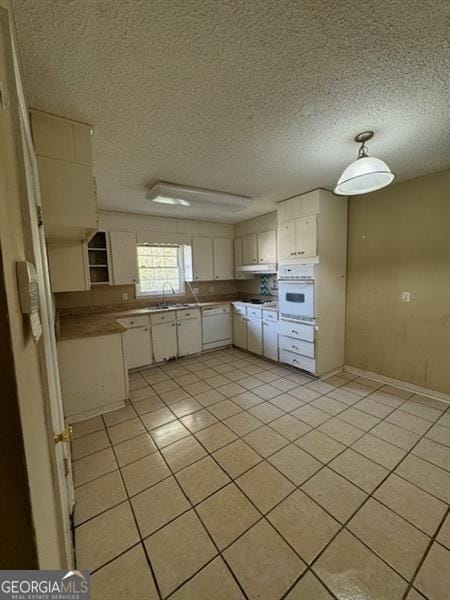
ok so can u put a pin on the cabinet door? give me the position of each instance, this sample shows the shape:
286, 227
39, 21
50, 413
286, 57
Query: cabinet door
267, 247
124, 257
249, 249
164, 337
306, 235
68, 266
138, 347
238, 258
254, 335
286, 240
202, 259
270, 340
223, 258
240, 331
189, 337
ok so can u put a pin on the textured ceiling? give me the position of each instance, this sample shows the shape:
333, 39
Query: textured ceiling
257, 97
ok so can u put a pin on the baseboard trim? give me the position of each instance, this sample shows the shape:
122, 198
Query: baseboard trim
409, 387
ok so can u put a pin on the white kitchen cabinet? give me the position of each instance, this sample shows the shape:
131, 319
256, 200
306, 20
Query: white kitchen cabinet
202, 259
68, 267
250, 249
270, 340
306, 236
124, 257
298, 238
189, 336
240, 330
286, 240
238, 261
223, 258
267, 247
64, 157
138, 342
254, 335
164, 338
93, 375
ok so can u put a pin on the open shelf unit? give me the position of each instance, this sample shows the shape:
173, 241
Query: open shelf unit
98, 259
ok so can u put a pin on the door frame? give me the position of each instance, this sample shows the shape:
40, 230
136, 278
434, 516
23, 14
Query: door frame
54, 417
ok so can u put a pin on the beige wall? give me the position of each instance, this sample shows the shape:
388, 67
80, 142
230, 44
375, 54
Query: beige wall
112, 294
399, 240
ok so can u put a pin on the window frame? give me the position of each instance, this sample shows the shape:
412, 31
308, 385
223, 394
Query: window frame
180, 266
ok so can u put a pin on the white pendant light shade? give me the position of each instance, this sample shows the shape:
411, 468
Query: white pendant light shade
365, 174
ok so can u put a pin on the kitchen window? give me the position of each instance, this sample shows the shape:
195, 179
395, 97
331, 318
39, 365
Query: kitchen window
158, 265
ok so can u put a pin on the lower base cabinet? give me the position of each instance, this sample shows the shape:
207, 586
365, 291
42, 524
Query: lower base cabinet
240, 331
138, 347
270, 340
93, 375
254, 336
165, 345
189, 336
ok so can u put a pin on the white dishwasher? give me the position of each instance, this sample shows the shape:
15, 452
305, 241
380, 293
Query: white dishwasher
216, 326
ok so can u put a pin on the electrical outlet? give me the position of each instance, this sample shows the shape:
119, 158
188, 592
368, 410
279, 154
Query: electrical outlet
124, 296
406, 296
211, 288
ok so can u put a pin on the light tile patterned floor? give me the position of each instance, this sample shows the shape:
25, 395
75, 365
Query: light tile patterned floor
229, 476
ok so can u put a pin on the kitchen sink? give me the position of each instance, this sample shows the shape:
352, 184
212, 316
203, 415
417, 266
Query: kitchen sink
165, 306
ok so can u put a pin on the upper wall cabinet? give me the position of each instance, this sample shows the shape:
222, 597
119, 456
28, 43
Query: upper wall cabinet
64, 156
238, 261
202, 259
223, 258
267, 247
124, 265
259, 248
250, 249
212, 258
298, 238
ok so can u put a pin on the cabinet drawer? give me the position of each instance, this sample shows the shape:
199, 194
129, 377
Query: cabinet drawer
297, 330
297, 346
129, 322
256, 313
165, 317
238, 309
296, 360
190, 313
270, 315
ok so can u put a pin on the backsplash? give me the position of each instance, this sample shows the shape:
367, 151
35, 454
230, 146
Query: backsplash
112, 295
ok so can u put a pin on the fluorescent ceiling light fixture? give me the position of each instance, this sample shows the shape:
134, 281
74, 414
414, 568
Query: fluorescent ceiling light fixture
366, 174
178, 195
166, 200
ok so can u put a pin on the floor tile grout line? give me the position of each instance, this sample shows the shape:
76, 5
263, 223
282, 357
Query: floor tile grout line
344, 525
139, 534
291, 442
193, 507
425, 554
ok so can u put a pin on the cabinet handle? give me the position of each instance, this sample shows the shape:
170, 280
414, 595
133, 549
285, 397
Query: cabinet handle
293, 331
254, 260
294, 347
173, 324
303, 252
217, 277
293, 253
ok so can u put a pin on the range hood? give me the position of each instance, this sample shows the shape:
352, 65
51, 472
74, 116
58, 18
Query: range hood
268, 268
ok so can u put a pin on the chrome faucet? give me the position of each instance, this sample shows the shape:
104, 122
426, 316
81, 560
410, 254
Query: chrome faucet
163, 291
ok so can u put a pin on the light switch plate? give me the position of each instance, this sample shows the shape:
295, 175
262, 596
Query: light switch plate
125, 296
406, 296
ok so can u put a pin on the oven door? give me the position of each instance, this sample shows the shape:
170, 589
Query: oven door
296, 299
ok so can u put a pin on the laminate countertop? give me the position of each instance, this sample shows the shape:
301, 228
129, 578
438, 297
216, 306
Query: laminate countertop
90, 325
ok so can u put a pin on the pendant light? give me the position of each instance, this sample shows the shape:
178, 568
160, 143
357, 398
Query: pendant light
366, 174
